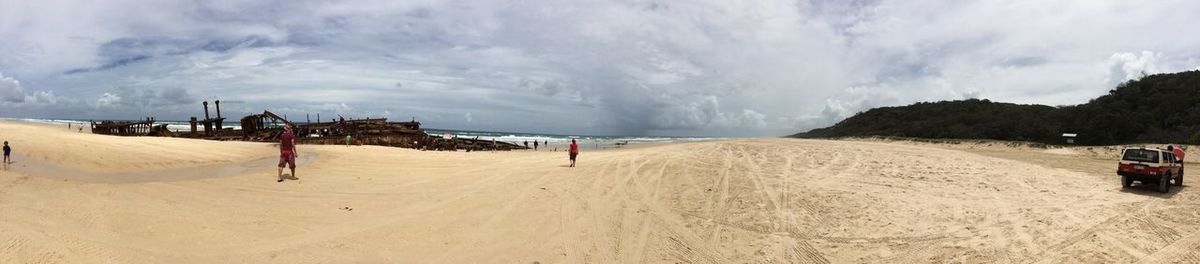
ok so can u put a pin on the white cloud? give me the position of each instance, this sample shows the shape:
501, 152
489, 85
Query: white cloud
13, 94
701, 113
706, 113
857, 99
627, 67
749, 119
42, 97
338, 108
10, 90
1126, 66
468, 117
108, 99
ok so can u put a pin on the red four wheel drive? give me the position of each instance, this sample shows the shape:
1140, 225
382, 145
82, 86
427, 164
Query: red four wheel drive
1150, 166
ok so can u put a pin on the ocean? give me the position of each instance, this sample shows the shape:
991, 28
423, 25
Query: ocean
555, 140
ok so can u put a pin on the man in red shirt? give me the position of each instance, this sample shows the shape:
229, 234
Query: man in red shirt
1177, 151
574, 151
287, 151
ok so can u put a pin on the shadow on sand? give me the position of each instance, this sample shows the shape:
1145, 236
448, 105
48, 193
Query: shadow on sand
290, 177
1152, 190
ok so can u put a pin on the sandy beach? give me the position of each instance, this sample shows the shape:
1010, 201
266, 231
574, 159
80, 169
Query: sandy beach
80, 198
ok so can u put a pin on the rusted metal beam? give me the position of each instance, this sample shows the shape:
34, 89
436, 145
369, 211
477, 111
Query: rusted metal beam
264, 128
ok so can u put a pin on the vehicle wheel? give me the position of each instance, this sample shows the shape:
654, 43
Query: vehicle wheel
1164, 184
1126, 182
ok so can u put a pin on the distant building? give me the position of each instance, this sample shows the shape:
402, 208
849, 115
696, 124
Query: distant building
1070, 137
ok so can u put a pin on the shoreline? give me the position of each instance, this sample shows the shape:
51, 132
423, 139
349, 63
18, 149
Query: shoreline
586, 141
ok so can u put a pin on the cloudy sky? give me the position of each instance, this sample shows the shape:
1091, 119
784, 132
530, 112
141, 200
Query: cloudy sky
617, 67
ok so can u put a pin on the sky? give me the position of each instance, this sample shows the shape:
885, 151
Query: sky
617, 67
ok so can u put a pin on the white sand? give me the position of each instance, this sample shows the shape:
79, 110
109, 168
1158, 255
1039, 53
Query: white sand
770, 200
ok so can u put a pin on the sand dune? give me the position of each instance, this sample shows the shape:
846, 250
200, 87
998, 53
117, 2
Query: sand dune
769, 200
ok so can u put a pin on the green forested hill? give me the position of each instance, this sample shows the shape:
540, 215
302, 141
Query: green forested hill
1155, 108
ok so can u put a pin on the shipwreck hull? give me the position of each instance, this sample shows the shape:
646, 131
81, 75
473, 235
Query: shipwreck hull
267, 126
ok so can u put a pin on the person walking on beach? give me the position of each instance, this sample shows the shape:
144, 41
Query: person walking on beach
535, 145
7, 152
574, 151
527, 144
287, 151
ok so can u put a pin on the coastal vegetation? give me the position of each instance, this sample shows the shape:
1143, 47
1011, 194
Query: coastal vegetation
1161, 108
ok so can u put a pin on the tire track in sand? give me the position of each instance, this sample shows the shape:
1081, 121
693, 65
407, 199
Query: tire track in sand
644, 229
1182, 250
781, 231
581, 219
682, 243
1057, 248
718, 206
794, 249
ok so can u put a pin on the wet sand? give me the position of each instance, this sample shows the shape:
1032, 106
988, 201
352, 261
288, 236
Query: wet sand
755, 200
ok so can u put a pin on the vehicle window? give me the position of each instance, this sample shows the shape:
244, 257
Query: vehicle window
1143, 155
1169, 157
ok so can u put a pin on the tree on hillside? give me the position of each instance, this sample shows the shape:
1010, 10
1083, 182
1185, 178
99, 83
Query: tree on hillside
1155, 108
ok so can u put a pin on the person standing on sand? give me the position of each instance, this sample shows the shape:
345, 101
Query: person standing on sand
535, 145
7, 152
287, 151
1177, 151
574, 151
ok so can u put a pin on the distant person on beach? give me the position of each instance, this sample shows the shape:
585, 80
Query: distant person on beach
527, 144
287, 151
7, 152
574, 151
535, 145
348, 139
